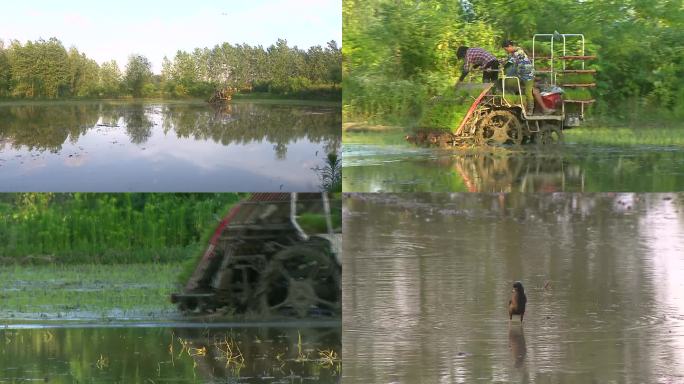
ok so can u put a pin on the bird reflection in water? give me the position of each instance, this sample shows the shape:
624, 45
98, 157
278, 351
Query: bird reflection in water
516, 341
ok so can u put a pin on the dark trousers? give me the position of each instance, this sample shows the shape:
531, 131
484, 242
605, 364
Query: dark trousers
490, 72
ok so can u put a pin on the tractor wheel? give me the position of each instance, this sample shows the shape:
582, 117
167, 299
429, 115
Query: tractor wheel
498, 128
300, 281
550, 134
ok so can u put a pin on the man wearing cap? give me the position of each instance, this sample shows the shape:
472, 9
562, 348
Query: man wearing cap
478, 58
521, 67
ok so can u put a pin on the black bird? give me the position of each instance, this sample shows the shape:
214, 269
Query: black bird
516, 306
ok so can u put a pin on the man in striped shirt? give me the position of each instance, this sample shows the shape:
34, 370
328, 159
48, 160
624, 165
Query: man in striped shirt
478, 58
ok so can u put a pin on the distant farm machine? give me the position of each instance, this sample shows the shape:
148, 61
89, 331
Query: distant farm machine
222, 95
272, 255
497, 116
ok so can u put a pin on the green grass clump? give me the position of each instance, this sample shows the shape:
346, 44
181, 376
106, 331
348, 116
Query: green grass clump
577, 94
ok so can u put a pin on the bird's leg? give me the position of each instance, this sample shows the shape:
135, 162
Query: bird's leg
521, 317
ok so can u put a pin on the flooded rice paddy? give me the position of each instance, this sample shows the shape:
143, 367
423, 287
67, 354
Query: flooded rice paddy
178, 353
428, 278
115, 324
165, 146
569, 167
88, 292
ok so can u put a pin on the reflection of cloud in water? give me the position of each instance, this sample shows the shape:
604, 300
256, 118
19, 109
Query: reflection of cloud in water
214, 156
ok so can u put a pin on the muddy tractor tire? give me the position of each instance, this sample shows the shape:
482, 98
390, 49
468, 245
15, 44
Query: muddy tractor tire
499, 127
301, 281
550, 134
261, 262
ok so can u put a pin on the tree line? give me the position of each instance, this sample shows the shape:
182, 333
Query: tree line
45, 69
399, 54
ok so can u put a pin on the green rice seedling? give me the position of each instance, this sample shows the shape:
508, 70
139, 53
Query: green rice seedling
301, 355
577, 94
87, 291
576, 78
447, 110
316, 223
671, 137
105, 228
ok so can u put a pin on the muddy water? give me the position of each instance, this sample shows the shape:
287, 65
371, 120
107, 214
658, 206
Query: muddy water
570, 168
428, 278
127, 146
170, 354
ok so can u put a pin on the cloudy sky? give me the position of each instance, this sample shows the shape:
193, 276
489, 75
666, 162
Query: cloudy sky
154, 28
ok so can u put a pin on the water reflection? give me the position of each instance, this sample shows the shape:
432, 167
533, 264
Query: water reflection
159, 354
561, 168
516, 339
428, 276
161, 146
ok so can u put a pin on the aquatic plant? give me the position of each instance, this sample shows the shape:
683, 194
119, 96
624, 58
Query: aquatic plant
230, 352
330, 173
329, 359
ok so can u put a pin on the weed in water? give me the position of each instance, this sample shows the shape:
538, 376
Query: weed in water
102, 362
230, 352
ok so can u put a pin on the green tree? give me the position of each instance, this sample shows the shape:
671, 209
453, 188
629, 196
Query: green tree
138, 74
45, 69
39, 69
110, 79
5, 74
83, 74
